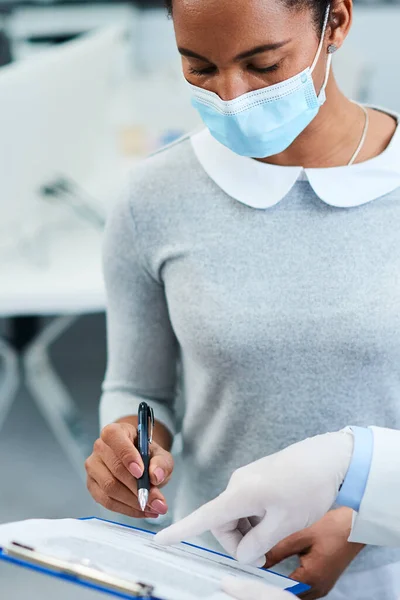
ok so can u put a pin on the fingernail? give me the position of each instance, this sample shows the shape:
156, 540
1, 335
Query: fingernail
151, 515
135, 470
159, 474
159, 506
260, 563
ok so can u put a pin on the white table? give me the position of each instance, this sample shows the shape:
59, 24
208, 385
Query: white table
68, 283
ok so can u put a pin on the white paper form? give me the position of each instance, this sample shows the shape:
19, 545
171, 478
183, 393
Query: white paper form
177, 573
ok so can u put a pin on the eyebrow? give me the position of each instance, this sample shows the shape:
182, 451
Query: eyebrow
248, 54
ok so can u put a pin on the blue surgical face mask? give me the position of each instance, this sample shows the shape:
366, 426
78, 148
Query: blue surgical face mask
267, 121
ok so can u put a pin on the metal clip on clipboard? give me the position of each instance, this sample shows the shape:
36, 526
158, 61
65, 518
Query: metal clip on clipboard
82, 571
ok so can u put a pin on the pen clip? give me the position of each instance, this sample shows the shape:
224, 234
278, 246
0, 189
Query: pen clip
151, 418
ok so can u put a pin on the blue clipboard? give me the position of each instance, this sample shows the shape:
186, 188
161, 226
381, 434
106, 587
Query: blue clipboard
297, 589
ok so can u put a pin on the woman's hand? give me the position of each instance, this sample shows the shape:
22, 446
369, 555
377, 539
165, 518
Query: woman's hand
323, 550
115, 465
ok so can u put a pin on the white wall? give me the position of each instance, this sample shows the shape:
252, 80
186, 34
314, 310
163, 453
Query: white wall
375, 38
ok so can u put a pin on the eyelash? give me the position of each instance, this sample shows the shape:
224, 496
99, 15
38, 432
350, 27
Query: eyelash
210, 70
270, 69
207, 71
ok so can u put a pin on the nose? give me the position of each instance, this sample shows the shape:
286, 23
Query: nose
230, 84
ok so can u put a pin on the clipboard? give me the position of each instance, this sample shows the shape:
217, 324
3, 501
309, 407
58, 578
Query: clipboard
85, 574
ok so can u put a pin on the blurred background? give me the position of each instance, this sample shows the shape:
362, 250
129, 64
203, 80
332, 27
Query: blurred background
86, 90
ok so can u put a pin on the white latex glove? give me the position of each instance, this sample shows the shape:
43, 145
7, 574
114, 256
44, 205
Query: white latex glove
252, 590
270, 499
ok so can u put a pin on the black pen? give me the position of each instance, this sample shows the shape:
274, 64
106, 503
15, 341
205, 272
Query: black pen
145, 437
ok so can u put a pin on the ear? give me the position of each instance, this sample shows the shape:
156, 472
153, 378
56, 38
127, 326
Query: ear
340, 20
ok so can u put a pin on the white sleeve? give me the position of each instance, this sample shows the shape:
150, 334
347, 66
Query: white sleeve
378, 520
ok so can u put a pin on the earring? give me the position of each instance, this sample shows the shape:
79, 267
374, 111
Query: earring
332, 49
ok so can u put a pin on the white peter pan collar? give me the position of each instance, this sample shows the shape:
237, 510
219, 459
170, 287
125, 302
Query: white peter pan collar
261, 185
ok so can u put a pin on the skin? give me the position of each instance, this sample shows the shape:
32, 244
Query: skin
219, 31
323, 551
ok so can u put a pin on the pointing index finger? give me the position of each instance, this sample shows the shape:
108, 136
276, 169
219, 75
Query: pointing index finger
214, 515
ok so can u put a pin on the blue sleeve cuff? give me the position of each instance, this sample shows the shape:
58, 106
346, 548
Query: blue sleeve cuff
352, 491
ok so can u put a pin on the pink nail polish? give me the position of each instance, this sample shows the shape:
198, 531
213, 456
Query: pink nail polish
159, 474
159, 506
135, 470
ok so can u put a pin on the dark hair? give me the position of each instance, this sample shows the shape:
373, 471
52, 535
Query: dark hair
168, 4
318, 7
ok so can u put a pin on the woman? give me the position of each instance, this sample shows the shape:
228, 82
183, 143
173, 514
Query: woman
254, 256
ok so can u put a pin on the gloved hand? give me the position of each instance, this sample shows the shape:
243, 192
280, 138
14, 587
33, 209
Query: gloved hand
272, 498
252, 590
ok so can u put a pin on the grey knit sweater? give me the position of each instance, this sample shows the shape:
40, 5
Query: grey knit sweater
285, 322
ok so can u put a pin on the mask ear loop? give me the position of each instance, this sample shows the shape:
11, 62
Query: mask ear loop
327, 72
329, 59
321, 42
